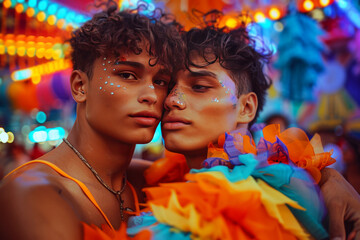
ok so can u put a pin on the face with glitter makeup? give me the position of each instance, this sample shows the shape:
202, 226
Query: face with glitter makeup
202, 105
124, 98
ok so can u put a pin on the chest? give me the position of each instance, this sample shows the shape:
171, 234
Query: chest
96, 203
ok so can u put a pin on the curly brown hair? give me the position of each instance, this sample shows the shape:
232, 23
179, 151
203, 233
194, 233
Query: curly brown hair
235, 51
110, 31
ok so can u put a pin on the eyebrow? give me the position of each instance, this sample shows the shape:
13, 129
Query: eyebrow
202, 74
131, 64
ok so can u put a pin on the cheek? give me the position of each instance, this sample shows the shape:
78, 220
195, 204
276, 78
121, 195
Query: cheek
218, 115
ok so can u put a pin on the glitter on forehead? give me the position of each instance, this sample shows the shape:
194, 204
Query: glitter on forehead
103, 64
109, 61
215, 100
100, 88
104, 69
114, 69
104, 58
112, 93
106, 82
151, 86
100, 78
108, 76
112, 84
118, 86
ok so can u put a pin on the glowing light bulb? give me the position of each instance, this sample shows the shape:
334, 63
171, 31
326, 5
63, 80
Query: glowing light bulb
4, 137
259, 17
36, 79
48, 53
40, 52
30, 52
274, 13
19, 8
11, 137
2, 49
21, 51
41, 16
30, 12
324, 3
7, 4
11, 50
308, 5
51, 20
60, 23
231, 23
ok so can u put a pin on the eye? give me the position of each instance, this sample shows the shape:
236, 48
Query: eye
161, 82
127, 76
200, 88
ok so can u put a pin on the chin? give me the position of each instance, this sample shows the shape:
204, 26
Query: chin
183, 147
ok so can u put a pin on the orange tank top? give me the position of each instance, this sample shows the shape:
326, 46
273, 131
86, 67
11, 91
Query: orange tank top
84, 188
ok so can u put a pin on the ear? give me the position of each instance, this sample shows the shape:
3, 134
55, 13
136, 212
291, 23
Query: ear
78, 83
248, 104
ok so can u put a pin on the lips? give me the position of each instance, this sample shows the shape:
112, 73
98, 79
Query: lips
145, 118
174, 123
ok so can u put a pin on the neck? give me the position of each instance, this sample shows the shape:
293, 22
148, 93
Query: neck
194, 159
108, 156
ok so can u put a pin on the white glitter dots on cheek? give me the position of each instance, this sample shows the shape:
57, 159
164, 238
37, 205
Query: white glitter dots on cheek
229, 88
107, 84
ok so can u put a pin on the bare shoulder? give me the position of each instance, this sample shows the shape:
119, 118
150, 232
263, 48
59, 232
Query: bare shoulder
33, 206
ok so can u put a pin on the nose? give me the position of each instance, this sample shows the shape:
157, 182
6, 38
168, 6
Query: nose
148, 95
176, 99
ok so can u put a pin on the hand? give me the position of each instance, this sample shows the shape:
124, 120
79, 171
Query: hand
342, 203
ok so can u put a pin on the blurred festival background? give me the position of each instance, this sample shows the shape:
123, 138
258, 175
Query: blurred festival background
315, 70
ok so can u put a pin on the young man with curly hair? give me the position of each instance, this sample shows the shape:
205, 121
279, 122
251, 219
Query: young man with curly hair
121, 73
222, 88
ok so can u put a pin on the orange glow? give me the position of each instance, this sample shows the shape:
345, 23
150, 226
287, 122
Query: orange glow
21, 51
231, 23
9, 42
2, 49
30, 12
259, 17
36, 79
19, 8
56, 54
60, 23
308, 5
11, 50
40, 52
274, 13
30, 52
69, 28
51, 20
324, 3
7, 4
48, 53
41, 16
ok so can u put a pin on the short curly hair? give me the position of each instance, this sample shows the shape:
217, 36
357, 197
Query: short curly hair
235, 51
110, 31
